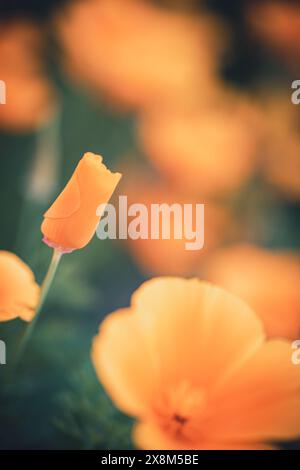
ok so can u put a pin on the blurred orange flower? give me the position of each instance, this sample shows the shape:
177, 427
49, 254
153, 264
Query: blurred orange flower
138, 53
30, 99
170, 257
189, 361
19, 292
278, 24
71, 221
208, 150
282, 145
267, 280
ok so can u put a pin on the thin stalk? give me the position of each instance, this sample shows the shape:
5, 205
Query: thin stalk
47, 282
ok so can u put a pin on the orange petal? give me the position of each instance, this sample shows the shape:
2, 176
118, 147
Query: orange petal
18, 290
188, 321
267, 280
261, 401
123, 362
67, 203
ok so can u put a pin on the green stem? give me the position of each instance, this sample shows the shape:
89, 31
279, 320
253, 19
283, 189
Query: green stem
43, 294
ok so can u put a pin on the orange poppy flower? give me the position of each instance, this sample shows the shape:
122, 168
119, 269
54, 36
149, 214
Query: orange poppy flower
170, 256
137, 53
277, 23
208, 150
281, 164
190, 362
267, 280
30, 99
19, 292
71, 221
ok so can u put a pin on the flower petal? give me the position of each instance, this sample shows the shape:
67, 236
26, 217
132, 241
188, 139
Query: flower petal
123, 363
262, 400
67, 203
18, 290
197, 332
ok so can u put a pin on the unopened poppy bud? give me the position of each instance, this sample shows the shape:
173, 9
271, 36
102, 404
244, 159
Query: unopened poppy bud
71, 221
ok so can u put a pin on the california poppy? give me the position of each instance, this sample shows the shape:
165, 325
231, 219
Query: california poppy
277, 24
30, 99
190, 362
141, 54
170, 256
281, 162
71, 221
19, 293
206, 150
267, 280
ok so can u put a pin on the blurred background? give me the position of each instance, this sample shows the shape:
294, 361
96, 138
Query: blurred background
191, 101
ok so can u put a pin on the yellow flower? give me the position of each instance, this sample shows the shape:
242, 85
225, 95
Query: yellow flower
190, 362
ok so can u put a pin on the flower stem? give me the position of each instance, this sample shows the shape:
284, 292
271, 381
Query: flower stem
47, 282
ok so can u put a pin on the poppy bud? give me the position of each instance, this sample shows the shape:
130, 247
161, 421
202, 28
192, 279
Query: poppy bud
71, 221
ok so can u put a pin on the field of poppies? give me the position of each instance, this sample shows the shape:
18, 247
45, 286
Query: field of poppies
135, 341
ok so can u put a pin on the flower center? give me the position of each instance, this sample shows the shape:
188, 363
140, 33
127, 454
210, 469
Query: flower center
180, 409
